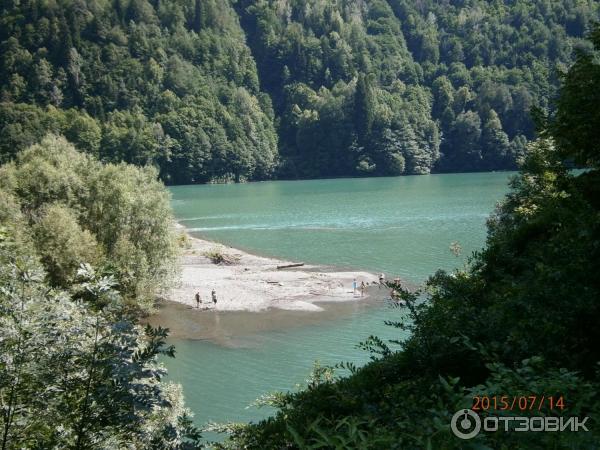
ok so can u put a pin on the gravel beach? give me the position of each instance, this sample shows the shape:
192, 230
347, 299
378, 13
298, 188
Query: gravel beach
253, 283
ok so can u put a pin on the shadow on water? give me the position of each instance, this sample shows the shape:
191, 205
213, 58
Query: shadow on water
241, 329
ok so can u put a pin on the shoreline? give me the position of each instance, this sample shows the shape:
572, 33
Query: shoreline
253, 283
246, 329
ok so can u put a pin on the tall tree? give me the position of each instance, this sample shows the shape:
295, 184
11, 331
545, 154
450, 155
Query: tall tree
364, 108
575, 125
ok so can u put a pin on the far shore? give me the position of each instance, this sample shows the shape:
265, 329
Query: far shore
253, 283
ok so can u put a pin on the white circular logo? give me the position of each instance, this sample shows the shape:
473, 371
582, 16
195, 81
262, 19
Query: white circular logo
465, 424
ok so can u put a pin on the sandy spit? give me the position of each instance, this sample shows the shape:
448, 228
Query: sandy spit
254, 283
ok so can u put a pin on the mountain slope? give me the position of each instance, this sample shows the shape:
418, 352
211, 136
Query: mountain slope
211, 90
168, 83
466, 71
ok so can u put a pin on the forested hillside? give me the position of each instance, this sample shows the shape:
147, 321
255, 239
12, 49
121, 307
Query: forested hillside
169, 83
253, 89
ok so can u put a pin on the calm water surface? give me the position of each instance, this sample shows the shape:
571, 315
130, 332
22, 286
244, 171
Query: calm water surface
401, 226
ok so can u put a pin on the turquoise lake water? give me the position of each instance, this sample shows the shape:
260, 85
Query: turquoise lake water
401, 226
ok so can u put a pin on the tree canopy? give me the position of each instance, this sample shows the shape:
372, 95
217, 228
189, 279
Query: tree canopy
209, 90
170, 84
85, 249
115, 217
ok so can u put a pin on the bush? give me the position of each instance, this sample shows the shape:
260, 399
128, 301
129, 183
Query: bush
63, 245
115, 217
218, 257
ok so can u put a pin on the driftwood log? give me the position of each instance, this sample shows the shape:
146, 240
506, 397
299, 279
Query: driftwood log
287, 266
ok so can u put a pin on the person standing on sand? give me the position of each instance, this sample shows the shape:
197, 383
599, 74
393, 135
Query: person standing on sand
198, 300
381, 280
354, 286
214, 297
362, 289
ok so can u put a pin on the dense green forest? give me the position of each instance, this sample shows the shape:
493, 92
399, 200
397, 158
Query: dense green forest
85, 248
166, 83
209, 90
520, 319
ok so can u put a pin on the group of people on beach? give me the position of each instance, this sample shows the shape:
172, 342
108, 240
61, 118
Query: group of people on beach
355, 287
199, 299
363, 285
394, 294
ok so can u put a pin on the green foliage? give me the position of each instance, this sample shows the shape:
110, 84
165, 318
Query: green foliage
534, 375
356, 85
481, 56
346, 433
364, 106
115, 217
519, 319
76, 372
574, 126
170, 84
344, 86
379, 87
80, 242
63, 245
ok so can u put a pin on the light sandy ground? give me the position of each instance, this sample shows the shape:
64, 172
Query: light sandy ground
254, 283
